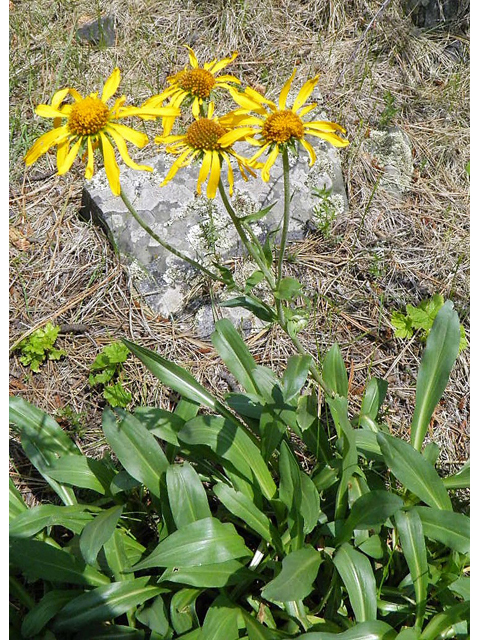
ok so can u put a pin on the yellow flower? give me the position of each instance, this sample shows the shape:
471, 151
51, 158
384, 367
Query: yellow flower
204, 140
195, 85
278, 126
89, 123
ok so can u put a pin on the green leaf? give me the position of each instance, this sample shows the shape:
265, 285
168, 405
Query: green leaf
357, 575
288, 289
409, 634
187, 497
413, 471
461, 587
402, 325
295, 376
80, 471
442, 622
253, 280
372, 630
154, 616
205, 541
136, 448
45, 610
112, 354
290, 493
208, 576
221, 620
370, 510
183, 615
242, 507
310, 503
334, 372
260, 310
450, 528
437, 361
235, 354
367, 445
409, 526
460, 480
116, 555
295, 580
372, 401
100, 631
97, 532
257, 631
252, 217
30, 522
103, 377
42, 560
105, 603
116, 395
372, 547
230, 442
16, 505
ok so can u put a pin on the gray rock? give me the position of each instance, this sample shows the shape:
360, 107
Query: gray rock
197, 226
391, 152
428, 14
100, 32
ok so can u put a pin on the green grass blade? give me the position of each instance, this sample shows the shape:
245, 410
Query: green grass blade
357, 576
409, 526
437, 361
413, 471
460, 480
16, 505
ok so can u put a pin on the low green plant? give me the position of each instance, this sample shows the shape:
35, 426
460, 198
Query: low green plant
209, 527
389, 111
109, 367
39, 346
324, 212
421, 319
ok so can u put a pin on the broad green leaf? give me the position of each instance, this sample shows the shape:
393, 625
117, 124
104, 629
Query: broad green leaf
45, 610
258, 215
253, 280
242, 507
372, 547
154, 616
413, 471
402, 325
369, 510
116, 556
450, 528
409, 634
253, 305
105, 603
372, 401
221, 621
235, 354
461, 587
295, 580
272, 428
204, 541
208, 576
42, 560
437, 361
357, 576
442, 622
367, 445
412, 539
116, 395
187, 497
30, 522
248, 405
97, 532
372, 630
334, 372
163, 424
136, 448
295, 376
16, 505
257, 631
114, 353
431, 452
183, 614
288, 289
460, 480
99, 631
310, 503
230, 442
313, 432
80, 471
290, 493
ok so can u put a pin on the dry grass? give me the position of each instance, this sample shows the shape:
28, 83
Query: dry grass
384, 254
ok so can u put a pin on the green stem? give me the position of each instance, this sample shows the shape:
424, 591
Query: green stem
286, 214
163, 243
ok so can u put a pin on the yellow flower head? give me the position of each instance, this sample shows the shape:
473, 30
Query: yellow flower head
194, 85
204, 140
278, 126
89, 123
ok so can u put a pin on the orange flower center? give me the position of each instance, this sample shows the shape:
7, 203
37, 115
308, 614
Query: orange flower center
204, 134
198, 82
281, 126
88, 116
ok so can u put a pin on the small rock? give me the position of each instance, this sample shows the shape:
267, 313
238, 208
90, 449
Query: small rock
100, 32
391, 152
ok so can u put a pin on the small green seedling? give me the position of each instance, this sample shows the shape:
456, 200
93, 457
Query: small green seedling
39, 346
108, 365
421, 318
324, 212
389, 112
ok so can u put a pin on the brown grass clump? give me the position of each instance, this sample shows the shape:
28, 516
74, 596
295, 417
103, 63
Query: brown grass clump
385, 253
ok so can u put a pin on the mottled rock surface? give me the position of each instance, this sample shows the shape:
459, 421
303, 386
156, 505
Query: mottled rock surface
391, 152
200, 227
428, 14
99, 32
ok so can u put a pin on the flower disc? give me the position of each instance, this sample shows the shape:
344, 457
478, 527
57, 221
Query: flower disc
88, 116
197, 82
204, 134
281, 126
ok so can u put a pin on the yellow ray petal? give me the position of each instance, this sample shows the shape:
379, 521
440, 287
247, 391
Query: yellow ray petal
304, 110
309, 149
304, 93
326, 127
233, 136
269, 164
45, 142
122, 148
62, 150
223, 80
111, 85
211, 109
330, 137
111, 166
196, 107
192, 57
89, 167
214, 176
204, 170
258, 97
59, 97
176, 166
230, 171
137, 138
168, 139
282, 101
46, 111
247, 103
70, 157
75, 95
223, 63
